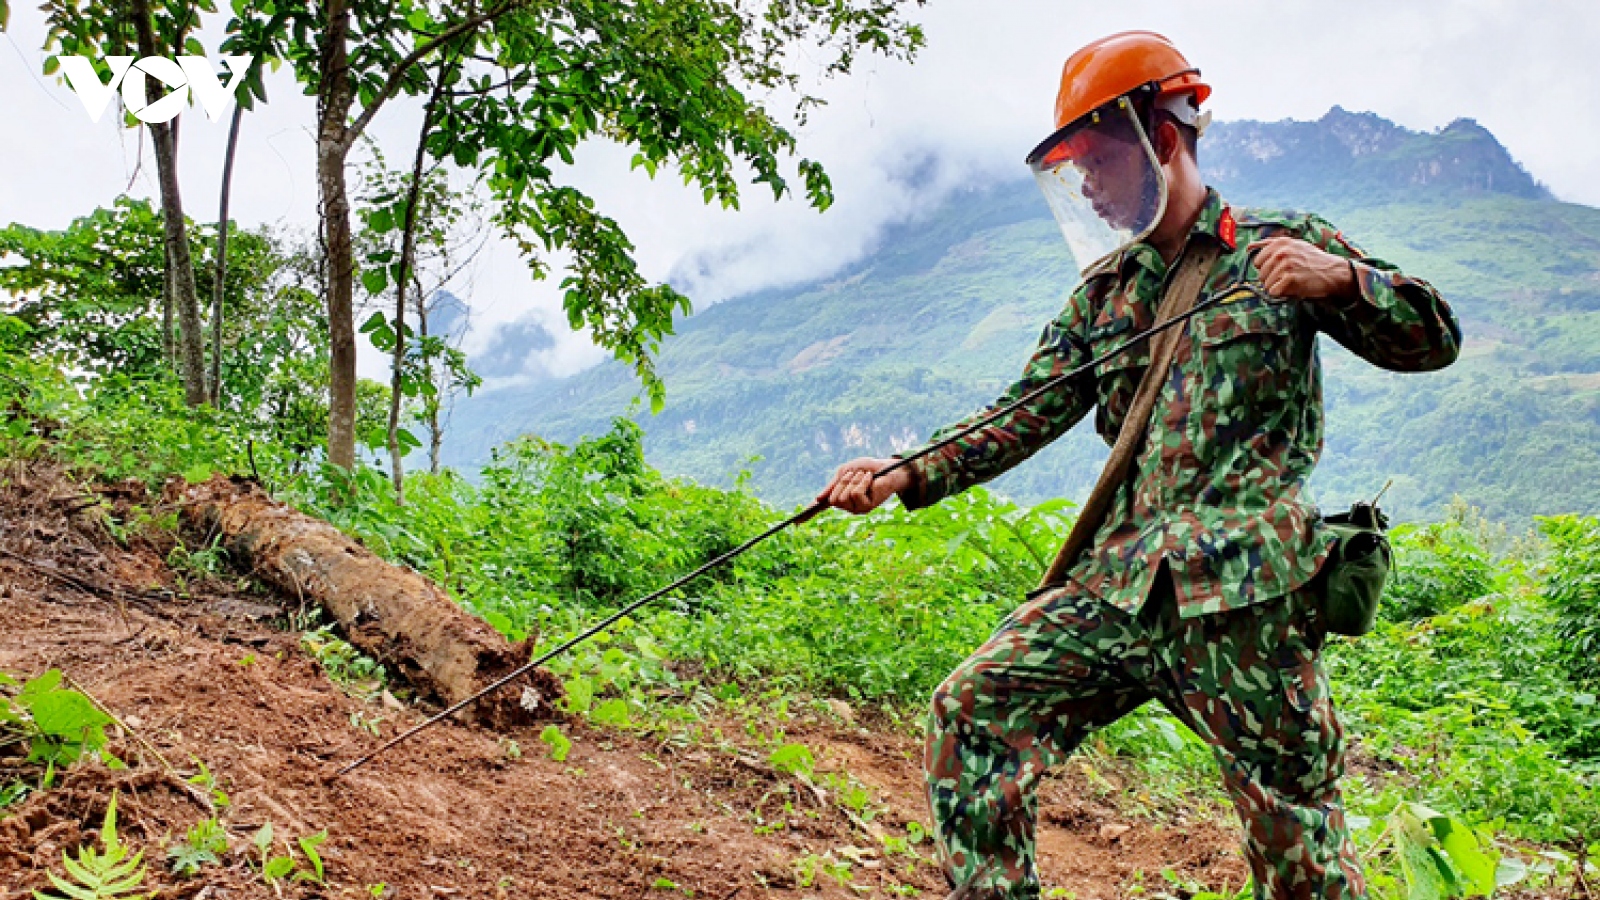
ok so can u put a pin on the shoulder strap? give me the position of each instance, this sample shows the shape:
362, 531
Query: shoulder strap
1180, 297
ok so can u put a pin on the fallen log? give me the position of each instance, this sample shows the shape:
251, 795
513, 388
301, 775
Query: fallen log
389, 612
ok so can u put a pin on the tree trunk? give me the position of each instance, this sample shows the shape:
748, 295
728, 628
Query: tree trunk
389, 612
431, 406
408, 252
180, 266
222, 256
333, 110
168, 344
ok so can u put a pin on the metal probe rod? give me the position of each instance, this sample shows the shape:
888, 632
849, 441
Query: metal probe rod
803, 516
600, 626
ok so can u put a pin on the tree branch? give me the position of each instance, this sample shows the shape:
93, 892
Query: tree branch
392, 85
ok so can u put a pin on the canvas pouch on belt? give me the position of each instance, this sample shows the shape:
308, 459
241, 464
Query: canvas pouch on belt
1351, 582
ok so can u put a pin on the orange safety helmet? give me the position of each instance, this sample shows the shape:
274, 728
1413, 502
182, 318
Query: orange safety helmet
1121, 63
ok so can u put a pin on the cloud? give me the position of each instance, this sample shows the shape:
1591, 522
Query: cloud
514, 350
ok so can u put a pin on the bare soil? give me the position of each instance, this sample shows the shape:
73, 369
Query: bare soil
201, 670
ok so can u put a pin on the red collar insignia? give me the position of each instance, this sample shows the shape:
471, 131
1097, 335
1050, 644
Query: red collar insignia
1227, 230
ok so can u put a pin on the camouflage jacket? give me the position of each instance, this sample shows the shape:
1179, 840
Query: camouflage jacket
1218, 488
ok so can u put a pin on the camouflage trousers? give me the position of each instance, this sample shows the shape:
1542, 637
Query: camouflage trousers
1249, 682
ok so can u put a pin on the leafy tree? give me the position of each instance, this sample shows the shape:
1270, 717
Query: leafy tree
278, 356
278, 362
667, 78
87, 296
445, 372
87, 293
419, 234
95, 28
399, 208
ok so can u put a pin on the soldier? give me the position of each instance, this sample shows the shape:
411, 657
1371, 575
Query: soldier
1197, 589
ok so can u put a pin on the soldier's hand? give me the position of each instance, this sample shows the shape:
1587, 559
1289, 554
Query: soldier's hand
854, 489
1297, 269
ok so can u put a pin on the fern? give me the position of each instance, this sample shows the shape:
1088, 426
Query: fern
107, 875
205, 844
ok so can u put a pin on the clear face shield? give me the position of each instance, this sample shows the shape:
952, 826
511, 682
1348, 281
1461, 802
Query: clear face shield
1102, 180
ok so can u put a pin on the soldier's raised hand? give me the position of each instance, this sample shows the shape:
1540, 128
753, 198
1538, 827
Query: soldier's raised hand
854, 489
1291, 267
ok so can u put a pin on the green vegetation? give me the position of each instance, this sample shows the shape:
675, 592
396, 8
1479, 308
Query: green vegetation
1475, 697
110, 874
205, 844
1473, 704
56, 727
359, 675
274, 868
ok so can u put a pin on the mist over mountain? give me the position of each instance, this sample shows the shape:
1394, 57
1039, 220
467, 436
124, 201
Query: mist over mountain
940, 317
448, 315
510, 350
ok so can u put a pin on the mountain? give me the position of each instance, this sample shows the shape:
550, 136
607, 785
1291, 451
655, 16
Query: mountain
1317, 164
789, 383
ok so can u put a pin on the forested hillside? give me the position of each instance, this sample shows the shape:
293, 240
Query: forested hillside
790, 383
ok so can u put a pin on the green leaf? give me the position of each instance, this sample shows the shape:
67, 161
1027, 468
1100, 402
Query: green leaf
579, 694
1428, 872
1510, 871
277, 867
13, 793
186, 859
793, 759
1475, 866
560, 745
70, 715
263, 839
193, 47
612, 713
499, 621
68, 889
308, 845
44, 684
374, 280
648, 648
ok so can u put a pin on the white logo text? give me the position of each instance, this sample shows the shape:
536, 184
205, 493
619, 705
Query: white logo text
188, 73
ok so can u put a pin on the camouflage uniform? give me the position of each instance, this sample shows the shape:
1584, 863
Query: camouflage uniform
1228, 641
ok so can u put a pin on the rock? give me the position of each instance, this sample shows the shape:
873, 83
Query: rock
1112, 832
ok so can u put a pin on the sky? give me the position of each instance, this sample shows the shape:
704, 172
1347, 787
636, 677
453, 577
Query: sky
896, 137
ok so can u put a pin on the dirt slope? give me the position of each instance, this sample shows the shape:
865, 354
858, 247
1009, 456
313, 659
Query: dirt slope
198, 672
